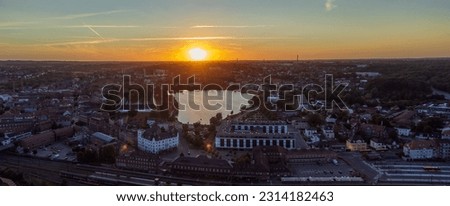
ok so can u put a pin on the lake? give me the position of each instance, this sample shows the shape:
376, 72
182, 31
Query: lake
230, 101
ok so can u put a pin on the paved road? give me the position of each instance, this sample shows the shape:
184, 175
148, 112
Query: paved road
369, 173
300, 142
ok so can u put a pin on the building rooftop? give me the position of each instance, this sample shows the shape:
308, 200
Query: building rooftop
103, 137
421, 144
64, 132
159, 133
404, 118
202, 161
446, 132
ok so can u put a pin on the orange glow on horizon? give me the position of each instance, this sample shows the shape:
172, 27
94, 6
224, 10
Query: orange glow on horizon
198, 54
227, 50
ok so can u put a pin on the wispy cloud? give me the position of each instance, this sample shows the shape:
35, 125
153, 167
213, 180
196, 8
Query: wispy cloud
168, 27
102, 26
180, 38
229, 26
110, 40
12, 28
204, 38
84, 15
95, 32
330, 5
80, 42
28, 24
18, 23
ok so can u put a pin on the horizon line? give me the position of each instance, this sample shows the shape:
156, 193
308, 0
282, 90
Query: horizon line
234, 60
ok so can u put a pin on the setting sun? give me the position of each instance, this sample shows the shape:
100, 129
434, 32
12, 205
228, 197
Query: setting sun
197, 54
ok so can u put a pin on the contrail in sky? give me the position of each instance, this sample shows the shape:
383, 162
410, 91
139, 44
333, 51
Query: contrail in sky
95, 32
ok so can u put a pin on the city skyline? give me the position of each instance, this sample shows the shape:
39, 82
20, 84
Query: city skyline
226, 30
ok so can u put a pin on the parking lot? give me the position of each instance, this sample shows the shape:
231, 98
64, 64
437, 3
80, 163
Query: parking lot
55, 151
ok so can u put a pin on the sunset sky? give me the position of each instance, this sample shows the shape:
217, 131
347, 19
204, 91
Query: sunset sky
149, 30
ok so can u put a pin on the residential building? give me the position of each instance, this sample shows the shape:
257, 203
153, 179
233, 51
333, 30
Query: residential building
312, 136
442, 110
337, 146
443, 149
46, 137
20, 123
300, 124
420, 149
302, 102
402, 119
331, 119
310, 132
328, 132
356, 145
378, 144
404, 132
433, 135
373, 131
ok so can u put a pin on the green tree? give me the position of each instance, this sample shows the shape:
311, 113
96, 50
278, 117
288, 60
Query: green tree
219, 116
315, 120
87, 156
380, 120
213, 121
108, 154
132, 113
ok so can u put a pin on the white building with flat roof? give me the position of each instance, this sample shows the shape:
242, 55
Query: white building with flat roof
246, 135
